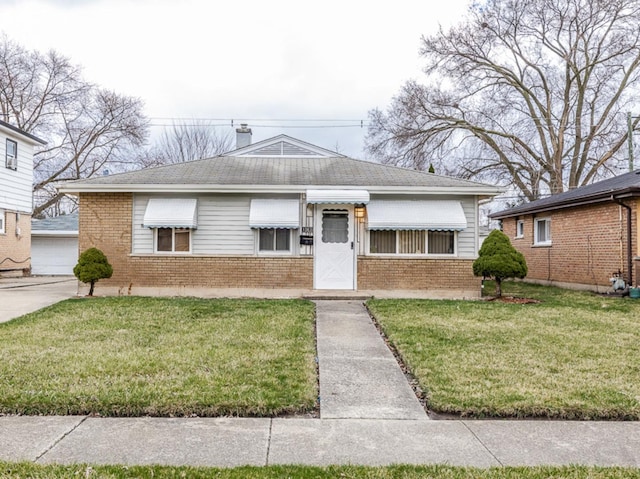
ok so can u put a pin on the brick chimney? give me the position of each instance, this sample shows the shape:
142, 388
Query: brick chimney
243, 136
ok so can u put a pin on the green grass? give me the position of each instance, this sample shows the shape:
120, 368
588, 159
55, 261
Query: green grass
23, 470
138, 356
575, 355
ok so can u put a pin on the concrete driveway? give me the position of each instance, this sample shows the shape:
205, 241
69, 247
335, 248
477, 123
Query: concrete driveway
20, 296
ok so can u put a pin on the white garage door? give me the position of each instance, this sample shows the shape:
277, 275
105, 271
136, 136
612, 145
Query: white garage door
53, 256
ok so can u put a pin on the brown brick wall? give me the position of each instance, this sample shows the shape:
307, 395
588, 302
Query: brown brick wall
15, 250
588, 244
105, 223
416, 274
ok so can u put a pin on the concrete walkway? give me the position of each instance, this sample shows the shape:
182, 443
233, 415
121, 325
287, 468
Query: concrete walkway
359, 376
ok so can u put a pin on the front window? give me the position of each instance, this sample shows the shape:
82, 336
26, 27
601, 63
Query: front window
275, 239
542, 231
2, 216
11, 160
411, 242
441, 242
519, 229
173, 240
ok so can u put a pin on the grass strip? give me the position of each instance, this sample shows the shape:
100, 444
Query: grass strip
33, 471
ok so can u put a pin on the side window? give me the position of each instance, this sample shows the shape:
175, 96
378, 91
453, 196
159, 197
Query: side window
2, 222
11, 160
542, 230
519, 228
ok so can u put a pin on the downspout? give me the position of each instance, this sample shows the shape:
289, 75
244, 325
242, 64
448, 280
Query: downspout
629, 249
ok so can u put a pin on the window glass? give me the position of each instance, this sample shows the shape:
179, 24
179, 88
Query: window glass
282, 239
411, 242
382, 242
543, 231
441, 242
182, 240
266, 239
165, 240
335, 226
275, 239
12, 154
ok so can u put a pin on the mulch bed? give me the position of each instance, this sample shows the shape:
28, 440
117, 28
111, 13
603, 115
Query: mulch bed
513, 300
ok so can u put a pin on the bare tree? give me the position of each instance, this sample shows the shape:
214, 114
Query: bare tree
86, 128
531, 93
186, 141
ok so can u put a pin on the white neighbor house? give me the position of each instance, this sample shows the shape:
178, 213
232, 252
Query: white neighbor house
16, 198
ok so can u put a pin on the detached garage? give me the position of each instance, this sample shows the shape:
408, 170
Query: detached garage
54, 245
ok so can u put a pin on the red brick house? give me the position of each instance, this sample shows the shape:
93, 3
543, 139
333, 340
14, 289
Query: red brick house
580, 238
284, 217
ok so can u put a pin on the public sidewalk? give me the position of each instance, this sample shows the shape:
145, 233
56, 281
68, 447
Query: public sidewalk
228, 442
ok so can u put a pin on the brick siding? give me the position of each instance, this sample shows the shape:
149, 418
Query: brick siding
15, 250
416, 274
588, 244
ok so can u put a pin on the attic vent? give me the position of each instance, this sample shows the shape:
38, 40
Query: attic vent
284, 148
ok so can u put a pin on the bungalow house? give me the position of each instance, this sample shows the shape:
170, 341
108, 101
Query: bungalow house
16, 203
282, 217
581, 238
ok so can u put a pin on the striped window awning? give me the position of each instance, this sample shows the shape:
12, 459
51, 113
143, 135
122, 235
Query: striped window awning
171, 213
349, 197
274, 214
444, 215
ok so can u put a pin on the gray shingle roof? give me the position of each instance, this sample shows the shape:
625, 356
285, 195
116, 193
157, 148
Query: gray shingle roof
230, 170
625, 184
59, 223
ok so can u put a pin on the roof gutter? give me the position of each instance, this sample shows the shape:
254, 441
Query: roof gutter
629, 249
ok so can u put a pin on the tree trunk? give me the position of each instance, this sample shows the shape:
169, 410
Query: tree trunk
498, 287
91, 288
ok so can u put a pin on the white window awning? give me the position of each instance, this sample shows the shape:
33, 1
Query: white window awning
171, 213
444, 215
274, 214
338, 196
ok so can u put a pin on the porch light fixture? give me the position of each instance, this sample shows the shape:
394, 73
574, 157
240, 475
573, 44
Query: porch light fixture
359, 211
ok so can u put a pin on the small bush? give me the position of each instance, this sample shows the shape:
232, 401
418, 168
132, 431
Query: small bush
92, 266
498, 259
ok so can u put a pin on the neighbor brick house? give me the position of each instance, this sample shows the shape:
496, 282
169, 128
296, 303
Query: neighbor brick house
580, 238
286, 217
16, 198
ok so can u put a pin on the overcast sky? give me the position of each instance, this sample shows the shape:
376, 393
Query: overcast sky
250, 61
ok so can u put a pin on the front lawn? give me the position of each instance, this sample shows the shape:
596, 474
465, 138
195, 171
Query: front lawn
575, 355
34, 471
136, 356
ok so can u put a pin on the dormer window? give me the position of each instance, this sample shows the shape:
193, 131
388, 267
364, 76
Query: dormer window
11, 160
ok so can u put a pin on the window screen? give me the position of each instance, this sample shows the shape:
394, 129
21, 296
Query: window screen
335, 226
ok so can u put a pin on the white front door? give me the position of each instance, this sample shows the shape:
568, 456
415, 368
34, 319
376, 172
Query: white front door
334, 258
